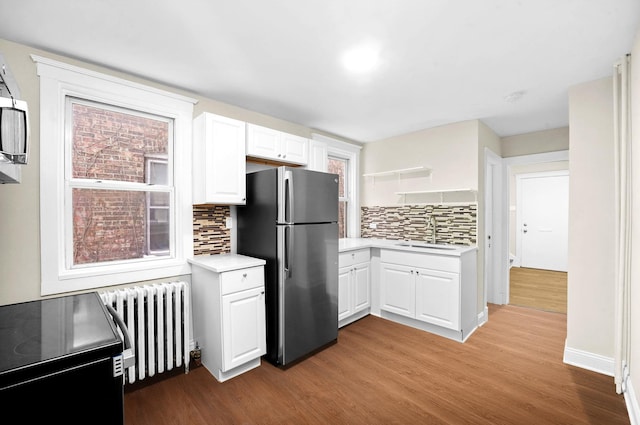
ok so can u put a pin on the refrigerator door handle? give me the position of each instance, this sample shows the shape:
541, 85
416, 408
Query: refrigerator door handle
287, 250
288, 200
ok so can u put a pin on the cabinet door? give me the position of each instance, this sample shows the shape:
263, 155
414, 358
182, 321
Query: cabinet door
263, 142
243, 327
344, 292
361, 285
397, 289
318, 156
295, 149
219, 160
438, 298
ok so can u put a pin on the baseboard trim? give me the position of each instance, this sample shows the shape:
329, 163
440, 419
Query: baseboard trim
589, 361
631, 401
483, 316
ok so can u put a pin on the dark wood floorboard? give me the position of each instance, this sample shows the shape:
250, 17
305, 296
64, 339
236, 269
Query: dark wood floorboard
509, 372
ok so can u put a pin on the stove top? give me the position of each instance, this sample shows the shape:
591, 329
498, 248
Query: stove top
42, 330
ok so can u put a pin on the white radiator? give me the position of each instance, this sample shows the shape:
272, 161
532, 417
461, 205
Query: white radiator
157, 317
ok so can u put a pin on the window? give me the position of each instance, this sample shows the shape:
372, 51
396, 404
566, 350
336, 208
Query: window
157, 228
343, 159
115, 190
340, 167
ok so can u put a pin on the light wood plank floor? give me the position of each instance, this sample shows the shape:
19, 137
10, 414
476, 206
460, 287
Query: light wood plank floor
509, 372
541, 289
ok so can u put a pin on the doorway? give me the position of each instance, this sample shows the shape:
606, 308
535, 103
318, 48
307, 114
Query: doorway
550, 161
538, 278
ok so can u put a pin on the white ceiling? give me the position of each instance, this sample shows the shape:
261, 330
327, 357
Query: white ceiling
441, 61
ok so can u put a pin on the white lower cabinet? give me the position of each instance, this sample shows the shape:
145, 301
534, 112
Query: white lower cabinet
398, 289
438, 298
354, 286
243, 333
229, 313
434, 293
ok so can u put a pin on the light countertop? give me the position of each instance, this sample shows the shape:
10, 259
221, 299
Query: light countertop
350, 244
225, 262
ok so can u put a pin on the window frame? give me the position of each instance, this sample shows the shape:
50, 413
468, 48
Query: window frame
157, 159
57, 82
347, 189
350, 152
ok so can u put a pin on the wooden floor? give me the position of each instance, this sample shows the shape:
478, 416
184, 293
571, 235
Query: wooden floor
541, 289
509, 372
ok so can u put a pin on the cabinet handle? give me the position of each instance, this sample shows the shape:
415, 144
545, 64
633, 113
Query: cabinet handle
244, 276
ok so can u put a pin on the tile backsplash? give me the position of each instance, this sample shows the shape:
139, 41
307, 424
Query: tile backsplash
210, 233
455, 224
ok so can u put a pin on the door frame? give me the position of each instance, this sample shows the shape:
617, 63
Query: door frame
493, 213
507, 163
519, 179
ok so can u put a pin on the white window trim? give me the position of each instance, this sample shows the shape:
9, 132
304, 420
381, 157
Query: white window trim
351, 152
57, 81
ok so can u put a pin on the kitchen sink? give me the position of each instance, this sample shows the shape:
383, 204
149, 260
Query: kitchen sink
425, 245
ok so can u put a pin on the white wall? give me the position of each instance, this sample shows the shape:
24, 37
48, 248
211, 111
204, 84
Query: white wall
590, 304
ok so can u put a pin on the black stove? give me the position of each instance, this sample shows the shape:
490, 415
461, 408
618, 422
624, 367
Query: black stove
60, 352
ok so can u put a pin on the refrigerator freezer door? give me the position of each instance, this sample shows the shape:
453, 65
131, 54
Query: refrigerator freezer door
308, 289
307, 196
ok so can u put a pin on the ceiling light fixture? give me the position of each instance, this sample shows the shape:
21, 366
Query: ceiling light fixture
361, 59
515, 96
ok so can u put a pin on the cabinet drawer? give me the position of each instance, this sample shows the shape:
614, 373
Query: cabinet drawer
242, 279
350, 258
426, 261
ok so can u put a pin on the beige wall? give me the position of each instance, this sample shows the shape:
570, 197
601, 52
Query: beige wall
590, 304
553, 140
454, 152
19, 203
635, 217
451, 151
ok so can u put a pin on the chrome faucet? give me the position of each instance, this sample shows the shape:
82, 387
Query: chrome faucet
432, 225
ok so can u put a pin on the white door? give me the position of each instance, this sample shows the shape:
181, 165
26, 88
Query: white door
543, 220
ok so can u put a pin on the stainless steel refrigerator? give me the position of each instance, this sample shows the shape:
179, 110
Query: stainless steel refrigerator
290, 220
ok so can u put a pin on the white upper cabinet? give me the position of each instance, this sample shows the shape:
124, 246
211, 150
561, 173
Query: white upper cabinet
318, 156
219, 163
266, 143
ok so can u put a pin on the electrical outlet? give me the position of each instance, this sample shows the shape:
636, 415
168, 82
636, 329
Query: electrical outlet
228, 222
373, 225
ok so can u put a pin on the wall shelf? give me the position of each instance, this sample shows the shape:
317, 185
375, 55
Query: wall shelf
441, 192
398, 172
